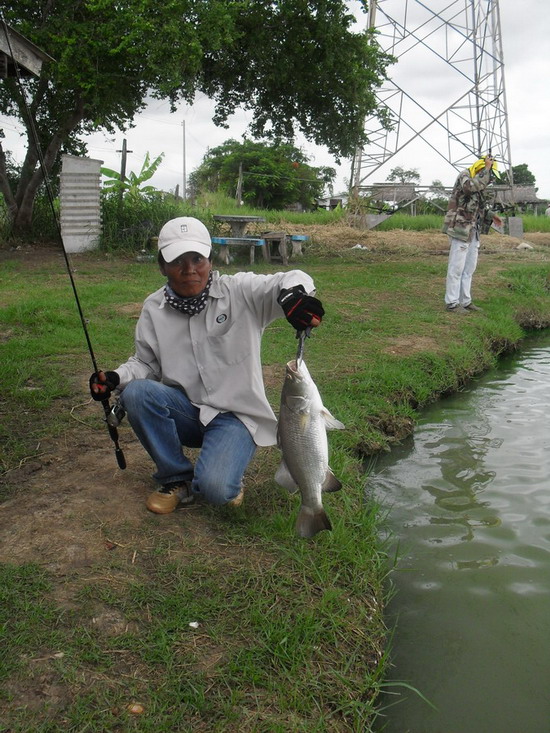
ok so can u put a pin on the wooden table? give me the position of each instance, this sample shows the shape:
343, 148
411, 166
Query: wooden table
237, 223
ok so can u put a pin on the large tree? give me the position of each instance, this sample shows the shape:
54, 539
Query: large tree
297, 65
403, 175
270, 176
521, 174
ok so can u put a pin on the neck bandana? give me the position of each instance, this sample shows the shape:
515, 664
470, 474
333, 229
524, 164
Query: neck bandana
190, 306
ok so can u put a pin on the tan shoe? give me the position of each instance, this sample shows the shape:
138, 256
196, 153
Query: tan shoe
238, 500
167, 498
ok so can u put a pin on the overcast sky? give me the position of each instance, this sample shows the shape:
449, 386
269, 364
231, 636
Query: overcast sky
526, 46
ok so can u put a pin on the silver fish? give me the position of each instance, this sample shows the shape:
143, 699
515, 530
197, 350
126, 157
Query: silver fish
302, 438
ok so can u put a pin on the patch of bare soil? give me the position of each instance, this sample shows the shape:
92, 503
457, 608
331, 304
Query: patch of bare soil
406, 345
77, 515
73, 506
340, 238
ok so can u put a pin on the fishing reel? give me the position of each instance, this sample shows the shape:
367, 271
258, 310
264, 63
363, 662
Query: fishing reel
116, 415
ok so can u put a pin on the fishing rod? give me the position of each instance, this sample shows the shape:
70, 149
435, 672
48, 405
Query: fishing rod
113, 432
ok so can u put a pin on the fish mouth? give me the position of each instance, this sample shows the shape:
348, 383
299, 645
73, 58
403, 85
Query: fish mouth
293, 373
293, 369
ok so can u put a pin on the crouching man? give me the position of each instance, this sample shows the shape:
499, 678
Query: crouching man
195, 380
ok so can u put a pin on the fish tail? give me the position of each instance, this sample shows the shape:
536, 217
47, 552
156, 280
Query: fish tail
310, 521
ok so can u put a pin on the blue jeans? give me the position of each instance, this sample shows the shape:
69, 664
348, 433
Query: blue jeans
164, 420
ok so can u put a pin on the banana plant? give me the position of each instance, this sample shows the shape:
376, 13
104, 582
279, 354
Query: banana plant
132, 184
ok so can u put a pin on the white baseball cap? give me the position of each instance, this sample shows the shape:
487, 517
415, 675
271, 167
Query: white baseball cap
181, 235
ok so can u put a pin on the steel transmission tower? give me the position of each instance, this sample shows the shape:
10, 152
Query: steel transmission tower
446, 88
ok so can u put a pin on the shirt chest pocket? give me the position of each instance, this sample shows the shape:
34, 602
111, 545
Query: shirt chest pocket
230, 345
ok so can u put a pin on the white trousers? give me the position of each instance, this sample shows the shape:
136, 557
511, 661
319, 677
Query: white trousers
460, 270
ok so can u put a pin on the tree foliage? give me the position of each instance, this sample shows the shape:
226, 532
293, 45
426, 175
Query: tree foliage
296, 65
402, 175
132, 184
521, 174
272, 175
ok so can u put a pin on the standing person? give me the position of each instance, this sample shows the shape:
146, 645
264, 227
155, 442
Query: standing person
466, 217
195, 379
547, 212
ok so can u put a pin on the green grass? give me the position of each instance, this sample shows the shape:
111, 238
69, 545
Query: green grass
423, 222
533, 223
291, 633
213, 203
418, 223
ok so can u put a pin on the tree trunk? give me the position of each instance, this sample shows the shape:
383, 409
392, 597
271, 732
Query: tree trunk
33, 173
5, 188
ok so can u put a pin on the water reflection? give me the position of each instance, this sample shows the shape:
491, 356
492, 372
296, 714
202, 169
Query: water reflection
468, 506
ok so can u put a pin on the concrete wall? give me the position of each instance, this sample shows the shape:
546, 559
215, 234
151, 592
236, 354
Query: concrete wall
514, 226
80, 203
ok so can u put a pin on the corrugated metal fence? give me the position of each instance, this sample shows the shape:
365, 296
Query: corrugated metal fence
80, 203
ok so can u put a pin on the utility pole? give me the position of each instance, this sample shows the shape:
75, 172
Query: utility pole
124, 152
239, 193
184, 191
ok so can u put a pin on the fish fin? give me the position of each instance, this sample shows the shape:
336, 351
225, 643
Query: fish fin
284, 479
309, 522
331, 423
331, 483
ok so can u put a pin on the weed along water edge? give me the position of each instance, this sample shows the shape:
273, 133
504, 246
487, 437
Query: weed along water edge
468, 513
115, 590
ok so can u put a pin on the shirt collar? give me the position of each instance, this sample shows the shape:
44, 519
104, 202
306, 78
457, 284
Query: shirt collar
215, 288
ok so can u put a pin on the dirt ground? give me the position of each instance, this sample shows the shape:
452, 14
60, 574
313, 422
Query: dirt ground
69, 518
344, 240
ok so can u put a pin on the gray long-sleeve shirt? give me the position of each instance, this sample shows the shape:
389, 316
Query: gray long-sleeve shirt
215, 355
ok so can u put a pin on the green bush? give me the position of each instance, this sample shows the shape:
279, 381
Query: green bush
129, 223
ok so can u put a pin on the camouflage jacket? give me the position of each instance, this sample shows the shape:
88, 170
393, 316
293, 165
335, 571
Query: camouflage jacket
467, 211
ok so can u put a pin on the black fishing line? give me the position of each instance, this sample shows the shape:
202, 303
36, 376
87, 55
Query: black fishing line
113, 432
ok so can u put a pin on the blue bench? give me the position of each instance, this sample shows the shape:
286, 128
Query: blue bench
224, 242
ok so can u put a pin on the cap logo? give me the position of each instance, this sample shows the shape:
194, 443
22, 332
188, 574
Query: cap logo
183, 228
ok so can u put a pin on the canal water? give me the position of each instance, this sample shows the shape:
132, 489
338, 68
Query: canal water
467, 509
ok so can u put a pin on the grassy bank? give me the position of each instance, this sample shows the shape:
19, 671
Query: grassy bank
98, 596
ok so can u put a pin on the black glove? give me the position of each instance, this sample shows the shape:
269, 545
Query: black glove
107, 385
299, 307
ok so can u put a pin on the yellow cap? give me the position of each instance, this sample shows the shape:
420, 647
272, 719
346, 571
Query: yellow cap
479, 165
